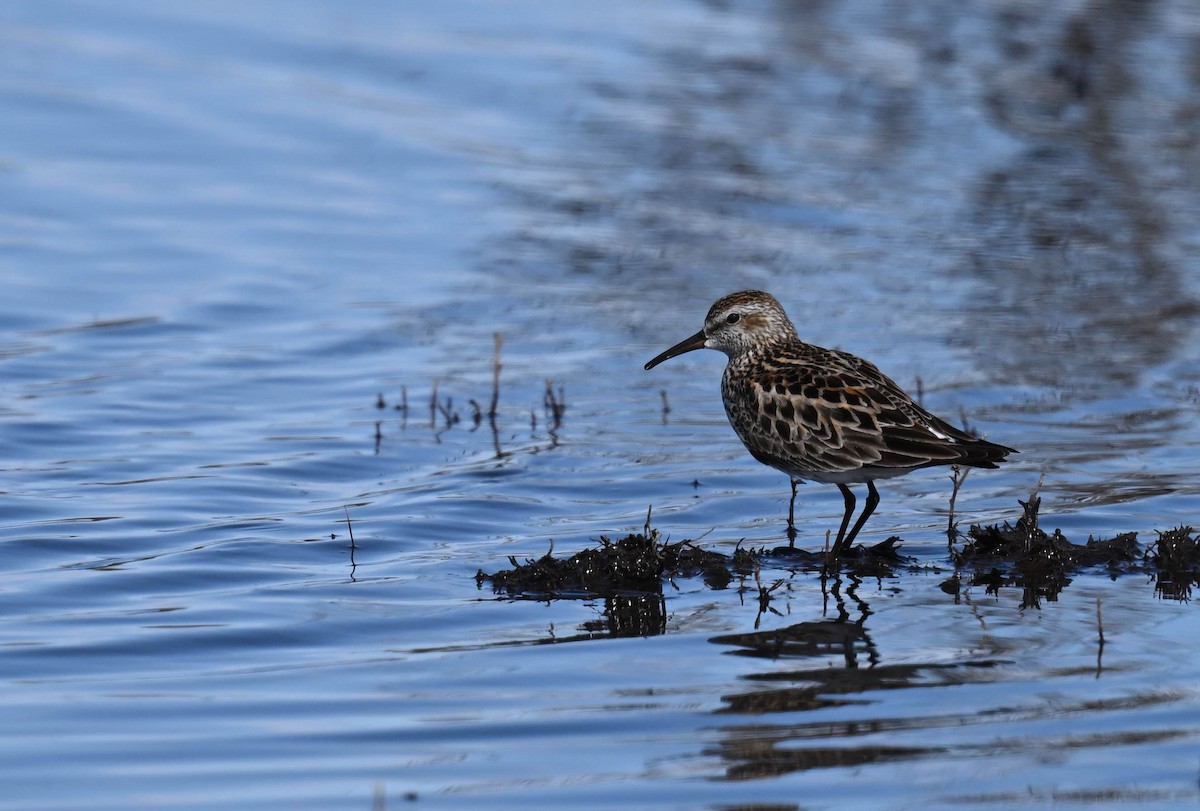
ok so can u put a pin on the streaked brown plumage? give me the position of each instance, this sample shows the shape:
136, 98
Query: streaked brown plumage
822, 414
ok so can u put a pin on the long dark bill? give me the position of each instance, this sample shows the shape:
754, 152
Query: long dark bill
686, 345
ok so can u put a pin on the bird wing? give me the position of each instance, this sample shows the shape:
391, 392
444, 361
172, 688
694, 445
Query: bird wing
840, 416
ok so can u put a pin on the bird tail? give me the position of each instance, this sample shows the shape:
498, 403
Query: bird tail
975, 452
981, 453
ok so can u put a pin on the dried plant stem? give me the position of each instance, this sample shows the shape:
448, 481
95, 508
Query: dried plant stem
958, 475
447, 410
349, 526
433, 406
554, 404
496, 366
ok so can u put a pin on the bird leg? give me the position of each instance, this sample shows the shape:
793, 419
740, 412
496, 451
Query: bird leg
872, 503
848, 497
791, 532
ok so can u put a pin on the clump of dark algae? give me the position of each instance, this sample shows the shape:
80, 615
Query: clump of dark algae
1175, 558
1025, 556
637, 563
629, 574
640, 562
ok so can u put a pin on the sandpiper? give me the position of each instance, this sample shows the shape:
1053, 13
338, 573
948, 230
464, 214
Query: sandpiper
821, 414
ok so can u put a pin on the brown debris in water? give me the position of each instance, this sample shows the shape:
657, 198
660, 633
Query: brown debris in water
995, 556
1026, 556
1026, 543
640, 562
1176, 557
635, 563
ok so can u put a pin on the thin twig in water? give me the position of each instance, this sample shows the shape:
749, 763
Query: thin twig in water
666, 406
349, 526
496, 366
829, 564
554, 405
447, 411
958, 475
499, 341
646, 529
495, 429
433, 406
1037, 487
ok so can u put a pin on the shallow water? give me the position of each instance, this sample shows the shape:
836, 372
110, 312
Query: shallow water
230, 229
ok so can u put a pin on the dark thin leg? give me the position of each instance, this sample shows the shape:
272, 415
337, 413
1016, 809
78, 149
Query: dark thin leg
791, 533
872, 503
848, 497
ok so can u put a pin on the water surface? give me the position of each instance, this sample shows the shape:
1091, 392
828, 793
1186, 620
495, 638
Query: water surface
229, 230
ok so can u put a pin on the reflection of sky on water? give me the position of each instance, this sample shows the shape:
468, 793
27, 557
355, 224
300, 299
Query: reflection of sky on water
228, 228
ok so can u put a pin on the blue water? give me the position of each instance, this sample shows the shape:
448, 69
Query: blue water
229, 230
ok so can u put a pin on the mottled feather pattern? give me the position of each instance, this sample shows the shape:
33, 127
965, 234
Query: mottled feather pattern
810, 411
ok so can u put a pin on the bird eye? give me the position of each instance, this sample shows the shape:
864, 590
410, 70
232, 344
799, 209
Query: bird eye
733, 318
